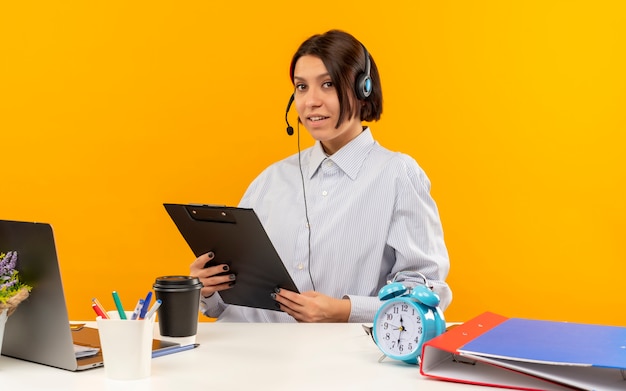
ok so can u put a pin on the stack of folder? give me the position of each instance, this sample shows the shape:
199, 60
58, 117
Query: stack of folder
526, 354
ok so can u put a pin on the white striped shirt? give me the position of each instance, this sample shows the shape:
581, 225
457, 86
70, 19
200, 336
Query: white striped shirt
371, 216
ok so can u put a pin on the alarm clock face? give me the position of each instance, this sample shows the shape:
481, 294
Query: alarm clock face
399, 329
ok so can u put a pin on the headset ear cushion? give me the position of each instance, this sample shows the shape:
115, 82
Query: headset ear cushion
363, 86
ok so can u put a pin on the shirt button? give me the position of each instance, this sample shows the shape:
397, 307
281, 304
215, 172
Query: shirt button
300, 266
324, 193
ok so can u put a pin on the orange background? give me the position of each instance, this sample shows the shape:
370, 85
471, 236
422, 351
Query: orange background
515, 110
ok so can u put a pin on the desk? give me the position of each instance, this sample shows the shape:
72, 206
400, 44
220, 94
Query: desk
249, 356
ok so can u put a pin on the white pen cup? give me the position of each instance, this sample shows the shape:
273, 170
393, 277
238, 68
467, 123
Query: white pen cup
126, 346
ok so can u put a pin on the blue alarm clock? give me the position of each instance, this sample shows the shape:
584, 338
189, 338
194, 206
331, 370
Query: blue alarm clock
406, 319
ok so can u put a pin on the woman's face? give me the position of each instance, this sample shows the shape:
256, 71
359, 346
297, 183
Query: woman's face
317, 105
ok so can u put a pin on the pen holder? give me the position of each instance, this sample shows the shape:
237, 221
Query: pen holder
126, 346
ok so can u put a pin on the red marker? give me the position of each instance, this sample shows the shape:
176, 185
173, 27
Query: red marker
99, 312
99, 309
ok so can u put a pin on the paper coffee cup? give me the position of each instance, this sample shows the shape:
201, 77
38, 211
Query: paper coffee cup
178, 313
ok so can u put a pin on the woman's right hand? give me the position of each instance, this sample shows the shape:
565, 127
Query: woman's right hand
213, 277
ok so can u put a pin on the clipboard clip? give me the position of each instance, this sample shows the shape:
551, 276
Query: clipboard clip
217, 215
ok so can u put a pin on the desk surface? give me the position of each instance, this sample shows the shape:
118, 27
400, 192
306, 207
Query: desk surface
250, 356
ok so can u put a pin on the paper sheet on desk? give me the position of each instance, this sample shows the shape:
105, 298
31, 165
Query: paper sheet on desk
85, 351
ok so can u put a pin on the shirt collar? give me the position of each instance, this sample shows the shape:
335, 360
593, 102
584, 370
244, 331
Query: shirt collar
349, 158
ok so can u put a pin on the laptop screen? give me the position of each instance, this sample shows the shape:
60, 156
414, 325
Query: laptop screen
39, 329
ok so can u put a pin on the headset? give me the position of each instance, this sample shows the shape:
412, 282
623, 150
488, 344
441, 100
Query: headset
363, 84
362, 87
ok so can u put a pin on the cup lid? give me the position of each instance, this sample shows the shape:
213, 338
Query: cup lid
176, 282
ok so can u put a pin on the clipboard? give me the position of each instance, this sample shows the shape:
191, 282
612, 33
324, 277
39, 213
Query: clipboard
238, 239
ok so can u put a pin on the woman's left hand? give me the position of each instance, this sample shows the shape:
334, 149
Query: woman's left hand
313, 307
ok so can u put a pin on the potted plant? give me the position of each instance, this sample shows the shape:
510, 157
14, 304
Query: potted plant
12, 290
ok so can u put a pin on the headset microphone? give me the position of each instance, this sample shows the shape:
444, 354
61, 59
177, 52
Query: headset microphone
289, 127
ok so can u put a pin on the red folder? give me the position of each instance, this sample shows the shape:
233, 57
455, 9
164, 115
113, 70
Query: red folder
533, 355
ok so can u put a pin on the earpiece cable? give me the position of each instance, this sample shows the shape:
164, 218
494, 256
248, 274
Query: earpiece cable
306, 209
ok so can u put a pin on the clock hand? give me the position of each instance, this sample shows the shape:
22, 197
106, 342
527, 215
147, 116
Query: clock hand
401, 328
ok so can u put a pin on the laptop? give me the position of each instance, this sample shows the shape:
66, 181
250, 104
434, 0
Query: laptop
39, 330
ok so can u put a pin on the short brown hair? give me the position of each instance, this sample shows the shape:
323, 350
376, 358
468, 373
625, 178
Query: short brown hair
344, 58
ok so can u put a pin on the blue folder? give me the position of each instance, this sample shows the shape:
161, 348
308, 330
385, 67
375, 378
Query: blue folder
554, 343
528, 354
585, 356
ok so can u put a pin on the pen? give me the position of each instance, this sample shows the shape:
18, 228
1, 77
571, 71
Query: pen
155, 307
146, 304
173, 349
99, 311
101, 308
118, 304
137, 309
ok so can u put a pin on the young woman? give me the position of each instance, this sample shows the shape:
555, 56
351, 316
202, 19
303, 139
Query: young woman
345, 215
